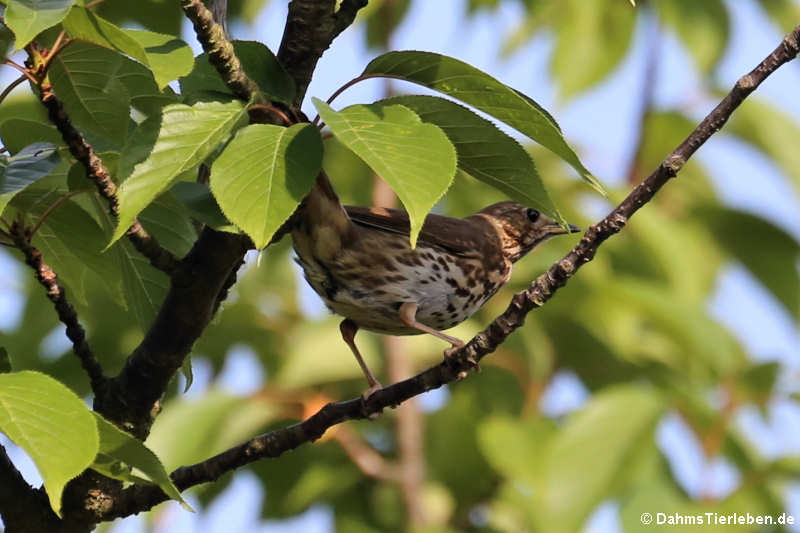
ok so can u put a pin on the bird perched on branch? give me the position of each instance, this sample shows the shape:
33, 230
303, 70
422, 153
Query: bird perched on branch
360, 262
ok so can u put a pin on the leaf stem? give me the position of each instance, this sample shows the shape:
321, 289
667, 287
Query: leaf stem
52, 208
11, 87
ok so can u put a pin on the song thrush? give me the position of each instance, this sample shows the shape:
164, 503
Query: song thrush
360, 262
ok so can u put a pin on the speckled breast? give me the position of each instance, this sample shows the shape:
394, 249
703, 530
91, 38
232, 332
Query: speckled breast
369, 285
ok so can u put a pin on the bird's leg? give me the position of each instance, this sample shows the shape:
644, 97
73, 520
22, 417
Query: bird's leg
349, 330
408, 316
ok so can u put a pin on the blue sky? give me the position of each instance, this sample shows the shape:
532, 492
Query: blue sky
739, 301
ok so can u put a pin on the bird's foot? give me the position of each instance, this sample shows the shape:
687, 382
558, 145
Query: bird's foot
451, 352
375, 387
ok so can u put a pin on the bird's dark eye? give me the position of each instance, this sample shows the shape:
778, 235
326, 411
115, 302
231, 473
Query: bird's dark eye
533, 214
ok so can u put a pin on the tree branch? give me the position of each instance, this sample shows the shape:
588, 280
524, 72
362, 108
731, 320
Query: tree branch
96, 171
194, 295
139, 498
220, 52
66, 313
311, 27
23, 507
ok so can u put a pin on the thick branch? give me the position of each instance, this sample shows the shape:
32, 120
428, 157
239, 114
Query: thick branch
140, 498
205, 272
66, 313
81, 150
23, 507
311, 27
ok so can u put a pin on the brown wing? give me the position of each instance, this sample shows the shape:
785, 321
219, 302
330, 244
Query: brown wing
463, 237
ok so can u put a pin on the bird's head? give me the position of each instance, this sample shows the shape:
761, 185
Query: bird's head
521, 228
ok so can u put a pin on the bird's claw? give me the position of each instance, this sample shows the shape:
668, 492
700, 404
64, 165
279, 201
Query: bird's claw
375, 387
451, 353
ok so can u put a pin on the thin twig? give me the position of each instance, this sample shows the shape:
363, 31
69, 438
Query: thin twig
66, 313
341, 89
7, 91
58, 46
220, 52
146, 244
274, 110
22, 69
52, 208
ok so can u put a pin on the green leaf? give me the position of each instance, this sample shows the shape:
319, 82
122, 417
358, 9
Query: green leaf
416, 159
17, 133
84, 25
126, 449
756, 383
484, 152
772, 131
785, 13
258, 62
144, 13
263, 174
515, 449
706, 36
143, 286
595, 35
168, 220
591, 454
52, 425
168, 57
202, 205
188, 373
6, 39
30, 164
27, 18
176, 141
5, 361
71, 242
476, 88
767, 251
208, 425
85, 78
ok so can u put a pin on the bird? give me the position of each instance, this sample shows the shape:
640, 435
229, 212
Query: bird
360, 262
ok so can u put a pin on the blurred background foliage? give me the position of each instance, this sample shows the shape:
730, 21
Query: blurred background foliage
631, 340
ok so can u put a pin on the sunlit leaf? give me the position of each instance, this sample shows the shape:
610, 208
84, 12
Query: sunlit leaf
592, 38
84, 25
52, 425
84, 77
706, 36
767, 251
416, 159
772, 131
588, 457
167, 56
126, 449
484, 152
181, 138
474, 87
263, 174
27, 18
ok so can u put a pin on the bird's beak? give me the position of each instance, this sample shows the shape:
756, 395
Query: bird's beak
558, 229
